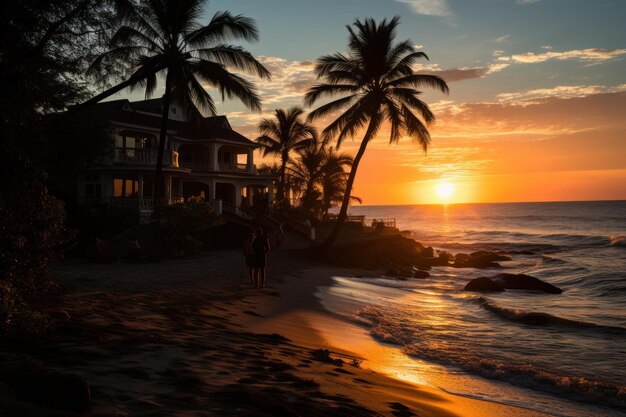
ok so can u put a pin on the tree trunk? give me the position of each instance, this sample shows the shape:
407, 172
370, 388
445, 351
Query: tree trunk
280, 193
108, 93
343, 213
158, 172
135, 78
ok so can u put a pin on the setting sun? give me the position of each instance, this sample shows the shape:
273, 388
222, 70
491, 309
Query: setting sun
444, 190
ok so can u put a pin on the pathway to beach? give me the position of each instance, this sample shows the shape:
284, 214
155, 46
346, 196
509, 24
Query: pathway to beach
191, 338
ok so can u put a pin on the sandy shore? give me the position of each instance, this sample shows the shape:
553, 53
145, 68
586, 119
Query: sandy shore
191, 338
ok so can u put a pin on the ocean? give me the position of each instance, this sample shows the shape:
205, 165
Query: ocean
564, 355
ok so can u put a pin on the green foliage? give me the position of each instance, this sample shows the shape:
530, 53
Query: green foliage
184, 226
195, 216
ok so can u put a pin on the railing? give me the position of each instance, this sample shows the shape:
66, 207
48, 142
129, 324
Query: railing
145, 156
230, 208
142, 204
227, 167
366, 221
200, 166
375, 222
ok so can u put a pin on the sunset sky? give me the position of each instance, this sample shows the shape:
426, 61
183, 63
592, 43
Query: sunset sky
537, 110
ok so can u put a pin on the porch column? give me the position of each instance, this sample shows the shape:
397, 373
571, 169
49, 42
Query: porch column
212, 190
168, 189
213, 165
250, 160
238, 195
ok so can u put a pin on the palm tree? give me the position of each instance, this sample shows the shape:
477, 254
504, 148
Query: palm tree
334, 178
166, 37
307, 171
377, 83
282, 134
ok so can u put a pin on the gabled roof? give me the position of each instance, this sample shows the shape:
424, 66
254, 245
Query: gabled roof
147, 114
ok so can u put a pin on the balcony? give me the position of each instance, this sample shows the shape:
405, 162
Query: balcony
239, 168
144, 157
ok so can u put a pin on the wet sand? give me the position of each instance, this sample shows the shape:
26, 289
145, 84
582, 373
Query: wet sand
192, 338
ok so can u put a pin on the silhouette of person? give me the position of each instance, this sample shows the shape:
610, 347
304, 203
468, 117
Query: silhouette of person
248, 254
261, 247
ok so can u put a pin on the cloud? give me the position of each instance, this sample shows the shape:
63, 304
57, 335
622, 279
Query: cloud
466, 73
502, 38
561, 92
526, 2
429, 7
585, 55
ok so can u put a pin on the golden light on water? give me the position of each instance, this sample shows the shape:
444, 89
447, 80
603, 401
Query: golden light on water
444, 190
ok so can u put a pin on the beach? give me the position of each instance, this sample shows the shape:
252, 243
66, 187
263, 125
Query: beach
191, 337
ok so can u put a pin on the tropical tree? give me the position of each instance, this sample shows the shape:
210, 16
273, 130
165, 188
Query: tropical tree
377, 84
287, 131
334, 178
306, 171
165, 37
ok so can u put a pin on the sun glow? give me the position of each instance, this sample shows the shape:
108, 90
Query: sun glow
444, 190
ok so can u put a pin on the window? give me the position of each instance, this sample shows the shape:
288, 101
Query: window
126, 186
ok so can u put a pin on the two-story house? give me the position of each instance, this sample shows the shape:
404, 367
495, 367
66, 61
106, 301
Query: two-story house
204, 157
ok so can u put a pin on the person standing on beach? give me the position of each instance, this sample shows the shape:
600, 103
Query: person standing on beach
261, 247
248, 254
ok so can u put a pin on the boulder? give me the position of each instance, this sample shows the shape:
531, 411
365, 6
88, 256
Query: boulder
483, 284
53, 390
476, 263
461, 257
490, 256
525, 282
428, 252
420, 274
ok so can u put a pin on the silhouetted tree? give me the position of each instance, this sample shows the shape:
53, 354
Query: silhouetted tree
334, 178
283, 134
377, 83
166, 37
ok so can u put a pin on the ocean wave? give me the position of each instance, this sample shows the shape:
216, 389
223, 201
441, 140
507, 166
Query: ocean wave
575, 387
618, 241
544, 319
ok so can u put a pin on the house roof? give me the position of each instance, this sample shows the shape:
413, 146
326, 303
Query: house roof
147, 113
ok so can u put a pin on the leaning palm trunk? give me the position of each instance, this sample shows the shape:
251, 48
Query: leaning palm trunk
343, 212
158, 172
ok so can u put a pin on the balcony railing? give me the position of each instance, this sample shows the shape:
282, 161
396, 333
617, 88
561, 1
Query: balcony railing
142, 204
145, 157
200, 166
226, 167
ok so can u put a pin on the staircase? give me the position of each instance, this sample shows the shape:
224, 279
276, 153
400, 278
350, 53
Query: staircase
294, 242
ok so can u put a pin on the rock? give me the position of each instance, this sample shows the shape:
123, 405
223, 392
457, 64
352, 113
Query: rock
420, 274
53, 390
525, 282
323, 355
461, 257
399, 272
483, 284
428, 252
520, 252
491, 256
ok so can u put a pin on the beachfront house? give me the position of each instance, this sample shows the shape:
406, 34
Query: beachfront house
204, 158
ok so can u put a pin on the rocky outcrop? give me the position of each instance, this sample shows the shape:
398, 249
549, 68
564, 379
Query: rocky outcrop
483, 284
500, 282
525, 282
419, 274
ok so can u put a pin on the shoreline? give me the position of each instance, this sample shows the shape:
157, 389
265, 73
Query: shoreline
188, 335
298, 313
